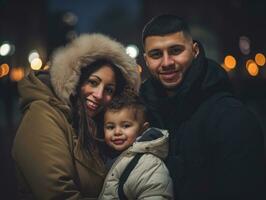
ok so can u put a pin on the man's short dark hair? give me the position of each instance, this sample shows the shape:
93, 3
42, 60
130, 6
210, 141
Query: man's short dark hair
163, 25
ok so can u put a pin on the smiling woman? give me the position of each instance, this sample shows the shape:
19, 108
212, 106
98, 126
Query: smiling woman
59, 127
99, 89
98, 85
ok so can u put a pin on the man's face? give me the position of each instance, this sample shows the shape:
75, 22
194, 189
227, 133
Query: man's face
168, 57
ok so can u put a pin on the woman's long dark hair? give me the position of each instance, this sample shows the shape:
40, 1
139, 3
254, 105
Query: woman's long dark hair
87, 129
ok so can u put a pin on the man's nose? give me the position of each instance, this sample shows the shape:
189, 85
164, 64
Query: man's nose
167, 59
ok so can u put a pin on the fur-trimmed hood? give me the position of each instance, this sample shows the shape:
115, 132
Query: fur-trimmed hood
66, 62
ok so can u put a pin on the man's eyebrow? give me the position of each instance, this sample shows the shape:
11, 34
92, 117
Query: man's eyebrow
176, 45
153, 50
172, 46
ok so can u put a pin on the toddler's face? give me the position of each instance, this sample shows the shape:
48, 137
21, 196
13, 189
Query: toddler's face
121, 128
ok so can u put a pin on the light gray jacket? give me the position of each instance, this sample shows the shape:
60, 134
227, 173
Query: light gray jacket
150, 178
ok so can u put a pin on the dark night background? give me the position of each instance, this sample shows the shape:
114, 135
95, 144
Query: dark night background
45, 25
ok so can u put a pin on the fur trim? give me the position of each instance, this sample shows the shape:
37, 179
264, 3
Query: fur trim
67, 62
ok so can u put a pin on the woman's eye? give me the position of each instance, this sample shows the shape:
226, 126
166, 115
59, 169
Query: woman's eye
110, 90
92, 82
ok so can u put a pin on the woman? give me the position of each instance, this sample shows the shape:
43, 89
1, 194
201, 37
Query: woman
55, 150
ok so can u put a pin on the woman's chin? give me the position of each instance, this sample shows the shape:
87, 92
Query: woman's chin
92, 113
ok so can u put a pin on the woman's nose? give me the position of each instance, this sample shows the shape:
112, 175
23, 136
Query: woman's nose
98, 93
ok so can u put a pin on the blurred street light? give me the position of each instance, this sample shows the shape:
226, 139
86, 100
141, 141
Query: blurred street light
33, 54
5, 49
36, 64
132, 50
230, 62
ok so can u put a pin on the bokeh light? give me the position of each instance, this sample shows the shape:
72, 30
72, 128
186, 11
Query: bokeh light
32, 55
260, 59
16, 74
244, 45
5, 49
4, 69
252, 68
46, 67
230, 62
70, 18
36, 64
249, 61
132, 50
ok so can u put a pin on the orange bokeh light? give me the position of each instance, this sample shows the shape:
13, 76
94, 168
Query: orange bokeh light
4, 69
17, 74
230, 62
252, 68
260, 59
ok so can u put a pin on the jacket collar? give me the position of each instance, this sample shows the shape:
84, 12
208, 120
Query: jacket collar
203, 79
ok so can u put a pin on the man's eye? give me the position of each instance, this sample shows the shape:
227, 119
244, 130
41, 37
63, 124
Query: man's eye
155, 54
174, 51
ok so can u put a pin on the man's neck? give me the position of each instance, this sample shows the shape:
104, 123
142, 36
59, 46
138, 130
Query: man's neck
170, 93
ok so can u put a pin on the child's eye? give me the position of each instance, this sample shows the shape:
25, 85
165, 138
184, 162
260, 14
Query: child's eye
109, 127
126, 125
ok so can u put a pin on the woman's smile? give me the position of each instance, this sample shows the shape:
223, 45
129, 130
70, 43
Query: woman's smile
92, 105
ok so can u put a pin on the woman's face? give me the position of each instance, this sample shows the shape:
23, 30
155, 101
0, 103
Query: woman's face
99, 89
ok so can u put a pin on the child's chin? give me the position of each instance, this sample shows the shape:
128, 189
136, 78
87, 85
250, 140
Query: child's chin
120, 149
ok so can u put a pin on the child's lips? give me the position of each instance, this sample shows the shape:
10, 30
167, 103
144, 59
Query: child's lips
118, 141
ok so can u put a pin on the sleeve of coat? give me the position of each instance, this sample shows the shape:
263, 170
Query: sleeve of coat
239, 160
150, 179
42, 154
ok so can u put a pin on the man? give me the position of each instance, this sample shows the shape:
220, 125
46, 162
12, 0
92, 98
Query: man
216, 144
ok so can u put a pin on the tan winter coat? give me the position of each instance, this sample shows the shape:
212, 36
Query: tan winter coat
150, 179
49, 159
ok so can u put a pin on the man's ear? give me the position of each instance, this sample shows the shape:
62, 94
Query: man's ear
195, 49
145, 58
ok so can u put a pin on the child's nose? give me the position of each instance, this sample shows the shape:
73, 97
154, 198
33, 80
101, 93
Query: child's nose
118, 131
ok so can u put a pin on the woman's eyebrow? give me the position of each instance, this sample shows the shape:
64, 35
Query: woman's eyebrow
95, 76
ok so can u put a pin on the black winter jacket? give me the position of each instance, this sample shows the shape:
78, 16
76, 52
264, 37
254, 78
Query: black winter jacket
216, 144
